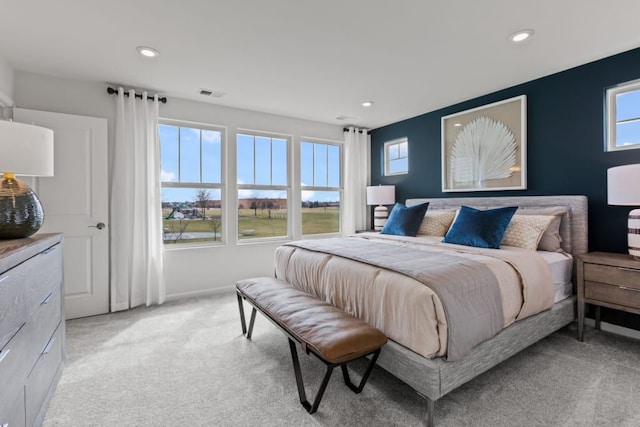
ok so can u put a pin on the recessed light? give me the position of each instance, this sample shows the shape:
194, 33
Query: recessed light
147, 51
457, 124
520, 36
366, 103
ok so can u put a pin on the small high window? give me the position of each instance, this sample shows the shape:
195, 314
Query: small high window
396, 157
623, 116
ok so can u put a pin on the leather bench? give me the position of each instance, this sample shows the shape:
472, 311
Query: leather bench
330, 334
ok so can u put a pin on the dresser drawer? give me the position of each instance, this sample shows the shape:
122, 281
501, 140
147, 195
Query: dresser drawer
622, 276
12, 307
45, 276
612, 294
14, 368
42, 324
15, 414
40, 379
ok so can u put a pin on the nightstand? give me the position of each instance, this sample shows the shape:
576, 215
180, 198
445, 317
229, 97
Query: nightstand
607, 280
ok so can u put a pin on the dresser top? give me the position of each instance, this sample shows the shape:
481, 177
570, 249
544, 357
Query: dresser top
15, 251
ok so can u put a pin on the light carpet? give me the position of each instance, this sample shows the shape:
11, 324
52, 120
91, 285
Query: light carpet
186, 363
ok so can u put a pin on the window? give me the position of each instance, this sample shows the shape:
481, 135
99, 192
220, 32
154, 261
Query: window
320, 181
623, 116
263, 186
191, 159
396, 157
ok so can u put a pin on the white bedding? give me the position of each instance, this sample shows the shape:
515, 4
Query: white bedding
561, 268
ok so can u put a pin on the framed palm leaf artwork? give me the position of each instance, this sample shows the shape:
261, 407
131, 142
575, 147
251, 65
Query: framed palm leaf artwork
485, 148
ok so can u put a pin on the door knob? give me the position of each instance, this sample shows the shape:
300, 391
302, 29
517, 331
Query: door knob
99, 226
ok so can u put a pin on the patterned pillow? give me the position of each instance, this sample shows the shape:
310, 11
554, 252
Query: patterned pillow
525, 231
551, 240
436, 223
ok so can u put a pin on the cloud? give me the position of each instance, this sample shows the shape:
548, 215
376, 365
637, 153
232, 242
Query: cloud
167, 176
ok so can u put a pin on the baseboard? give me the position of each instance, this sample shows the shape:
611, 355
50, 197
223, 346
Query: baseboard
614, 329
206, 292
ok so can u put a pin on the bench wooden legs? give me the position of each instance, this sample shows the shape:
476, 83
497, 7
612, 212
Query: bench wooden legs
345, 373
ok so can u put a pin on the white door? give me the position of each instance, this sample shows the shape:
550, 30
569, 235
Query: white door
75, 202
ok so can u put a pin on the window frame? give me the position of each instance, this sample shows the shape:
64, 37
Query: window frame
262, 187
386, 159
339, 190
611, 112
202, 185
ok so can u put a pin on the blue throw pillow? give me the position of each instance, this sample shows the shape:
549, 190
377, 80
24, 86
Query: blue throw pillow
404, 221
482, 229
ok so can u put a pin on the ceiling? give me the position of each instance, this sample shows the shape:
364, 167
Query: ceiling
315, 60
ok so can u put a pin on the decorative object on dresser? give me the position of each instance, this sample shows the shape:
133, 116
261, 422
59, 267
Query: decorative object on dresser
24, 150
623, 190
32, 330
609, 280
484, 149
381, 195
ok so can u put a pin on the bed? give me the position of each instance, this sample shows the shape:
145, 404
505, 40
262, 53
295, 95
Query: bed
435, 356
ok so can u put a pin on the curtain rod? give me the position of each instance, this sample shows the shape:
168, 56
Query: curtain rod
112, 91
359, 131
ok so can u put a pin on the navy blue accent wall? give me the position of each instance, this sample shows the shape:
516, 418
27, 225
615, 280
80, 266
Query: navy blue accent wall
565, 144
565, 148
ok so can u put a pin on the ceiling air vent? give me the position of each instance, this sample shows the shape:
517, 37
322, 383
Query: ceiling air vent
212, 93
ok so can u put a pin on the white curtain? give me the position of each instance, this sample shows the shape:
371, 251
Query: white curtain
356, 177
136, 212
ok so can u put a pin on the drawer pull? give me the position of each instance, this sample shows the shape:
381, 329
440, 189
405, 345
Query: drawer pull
46, 251
47, 349
626, 288
3, 278
47, 299
3, 354
635, 270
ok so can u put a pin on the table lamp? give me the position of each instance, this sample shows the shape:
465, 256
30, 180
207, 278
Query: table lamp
381, 195
24, 150
623, 189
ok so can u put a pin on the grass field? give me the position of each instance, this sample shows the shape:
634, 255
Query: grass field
250, 225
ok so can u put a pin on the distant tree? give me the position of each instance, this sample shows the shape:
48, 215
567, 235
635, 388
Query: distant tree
269, 205
215, 224
202, 199
254, 206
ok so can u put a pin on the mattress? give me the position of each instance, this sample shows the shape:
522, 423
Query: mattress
561, 268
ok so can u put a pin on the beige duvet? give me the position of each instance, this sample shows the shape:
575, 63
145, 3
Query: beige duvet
404, 309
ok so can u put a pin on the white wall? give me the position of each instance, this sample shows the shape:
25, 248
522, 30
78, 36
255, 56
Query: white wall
6, 84
187, 270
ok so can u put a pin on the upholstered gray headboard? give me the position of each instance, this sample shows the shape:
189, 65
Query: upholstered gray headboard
573, 228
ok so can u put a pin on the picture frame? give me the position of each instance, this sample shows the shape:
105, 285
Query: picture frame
485, 148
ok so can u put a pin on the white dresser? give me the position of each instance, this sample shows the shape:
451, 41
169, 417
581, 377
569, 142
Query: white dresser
32, 330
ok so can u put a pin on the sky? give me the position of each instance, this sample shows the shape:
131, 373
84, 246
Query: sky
261, 161
626, 109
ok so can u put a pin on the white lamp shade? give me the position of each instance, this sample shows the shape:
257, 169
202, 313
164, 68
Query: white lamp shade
381, 195
623, 185
25, 149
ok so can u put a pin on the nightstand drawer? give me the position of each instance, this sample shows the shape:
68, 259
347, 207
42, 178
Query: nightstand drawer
620, 276
613, 294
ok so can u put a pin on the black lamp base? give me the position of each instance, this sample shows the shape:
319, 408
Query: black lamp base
21, 213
